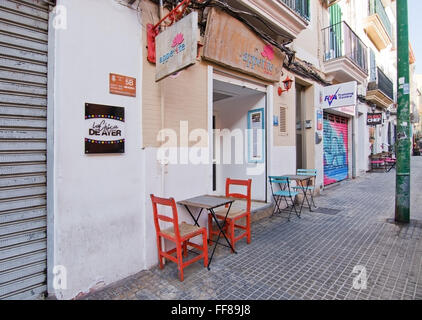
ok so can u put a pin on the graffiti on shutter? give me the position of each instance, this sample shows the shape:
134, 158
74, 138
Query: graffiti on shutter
335, 149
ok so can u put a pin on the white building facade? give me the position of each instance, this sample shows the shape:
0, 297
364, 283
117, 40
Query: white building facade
72, 218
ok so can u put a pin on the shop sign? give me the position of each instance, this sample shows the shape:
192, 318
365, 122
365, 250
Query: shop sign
374, 119
340, 95
230, 43
122, 85
177, 46
319, 120
104, 129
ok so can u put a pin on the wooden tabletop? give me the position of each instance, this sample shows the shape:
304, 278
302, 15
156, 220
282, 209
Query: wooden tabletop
206, 202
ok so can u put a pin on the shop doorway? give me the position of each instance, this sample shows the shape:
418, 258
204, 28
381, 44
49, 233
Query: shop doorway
239, 137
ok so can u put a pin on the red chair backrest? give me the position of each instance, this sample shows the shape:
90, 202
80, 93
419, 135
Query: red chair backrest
247, 196
157, 216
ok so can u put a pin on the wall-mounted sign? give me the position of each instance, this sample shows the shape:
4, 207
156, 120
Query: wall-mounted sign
308, 124
374, 119
256, 136
122, 85
275, 121
319, 120
177, 46
104, 129
232, 44
340, 95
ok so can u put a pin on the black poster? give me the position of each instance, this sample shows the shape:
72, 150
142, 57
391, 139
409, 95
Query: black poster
374, 119
105, 129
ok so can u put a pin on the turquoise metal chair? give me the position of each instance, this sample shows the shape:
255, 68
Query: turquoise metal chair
285, 193
308, 189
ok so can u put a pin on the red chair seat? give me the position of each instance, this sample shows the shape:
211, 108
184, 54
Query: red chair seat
233, 213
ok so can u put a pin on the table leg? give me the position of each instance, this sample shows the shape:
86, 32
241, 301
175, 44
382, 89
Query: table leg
308, 182
193, 217
305, 194
221, 232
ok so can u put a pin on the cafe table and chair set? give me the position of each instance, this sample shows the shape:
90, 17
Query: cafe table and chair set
224, 219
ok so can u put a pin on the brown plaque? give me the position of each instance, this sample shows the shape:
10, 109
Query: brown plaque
230, 43
122, 85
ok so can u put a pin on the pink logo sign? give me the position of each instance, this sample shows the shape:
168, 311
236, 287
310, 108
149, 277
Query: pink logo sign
178, 39
268, 52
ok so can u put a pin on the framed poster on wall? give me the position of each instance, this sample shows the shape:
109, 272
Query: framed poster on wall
256, 136
104, 129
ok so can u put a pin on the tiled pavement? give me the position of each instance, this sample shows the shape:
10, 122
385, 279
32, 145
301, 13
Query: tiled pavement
309, 258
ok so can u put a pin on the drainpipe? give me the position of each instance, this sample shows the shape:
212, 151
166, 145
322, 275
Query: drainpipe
160, 15
163, 166
161, 10
354, 149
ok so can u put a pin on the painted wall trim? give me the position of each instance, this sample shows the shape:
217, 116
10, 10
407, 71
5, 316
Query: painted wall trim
50, 155
210, 85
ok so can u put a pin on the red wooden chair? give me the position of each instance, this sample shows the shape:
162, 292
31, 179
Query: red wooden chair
180, 234
235, 214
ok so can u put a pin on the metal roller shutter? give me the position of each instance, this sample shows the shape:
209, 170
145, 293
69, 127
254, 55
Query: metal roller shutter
23, 136
336, 137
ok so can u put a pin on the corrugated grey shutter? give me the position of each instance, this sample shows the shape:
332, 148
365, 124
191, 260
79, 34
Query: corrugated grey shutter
23, 123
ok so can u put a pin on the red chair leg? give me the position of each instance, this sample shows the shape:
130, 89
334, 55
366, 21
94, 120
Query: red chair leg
248, 229
231, 228
210, 230
185, 249
205, 248
160, 250
179, 260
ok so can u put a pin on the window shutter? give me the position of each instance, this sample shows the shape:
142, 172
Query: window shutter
283, 121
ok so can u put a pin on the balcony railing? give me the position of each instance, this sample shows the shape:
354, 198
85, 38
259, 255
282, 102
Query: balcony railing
382, 83
301, 7
340, 41
376, 7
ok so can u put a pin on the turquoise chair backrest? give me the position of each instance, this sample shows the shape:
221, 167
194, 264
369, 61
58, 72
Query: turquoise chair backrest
274, 179
307, 172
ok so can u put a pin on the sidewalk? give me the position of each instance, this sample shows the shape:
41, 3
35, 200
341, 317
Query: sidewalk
309, 258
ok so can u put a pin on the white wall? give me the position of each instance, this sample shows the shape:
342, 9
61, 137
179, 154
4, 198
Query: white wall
232, 114
319, 148
180, 181
99, 199
364, 150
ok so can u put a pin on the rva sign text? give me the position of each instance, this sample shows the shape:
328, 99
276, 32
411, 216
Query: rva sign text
340, 95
